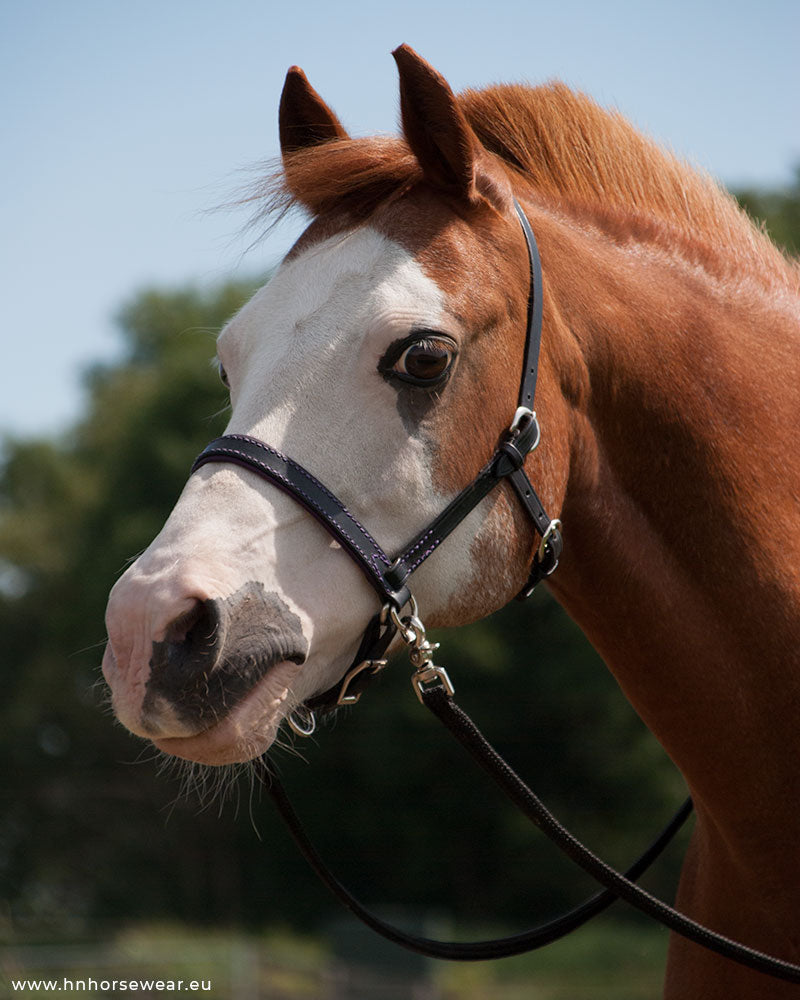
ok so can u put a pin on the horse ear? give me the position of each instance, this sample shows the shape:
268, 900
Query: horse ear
448, 150
304, 118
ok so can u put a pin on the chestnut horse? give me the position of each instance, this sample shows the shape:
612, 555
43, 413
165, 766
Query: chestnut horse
385, 355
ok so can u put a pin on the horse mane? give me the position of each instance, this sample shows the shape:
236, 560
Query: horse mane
590, 161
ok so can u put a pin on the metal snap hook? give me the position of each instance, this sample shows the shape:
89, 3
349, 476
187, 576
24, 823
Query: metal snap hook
426, 678
346, 697
420, 651
411, 629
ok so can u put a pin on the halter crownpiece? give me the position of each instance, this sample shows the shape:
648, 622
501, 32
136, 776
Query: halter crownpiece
389, 576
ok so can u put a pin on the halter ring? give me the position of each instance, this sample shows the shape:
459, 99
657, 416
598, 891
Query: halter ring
302, 721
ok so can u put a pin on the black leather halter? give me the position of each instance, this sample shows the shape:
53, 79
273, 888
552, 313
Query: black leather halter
389, 576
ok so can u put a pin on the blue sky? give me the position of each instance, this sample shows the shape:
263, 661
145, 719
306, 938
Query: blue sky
124, 123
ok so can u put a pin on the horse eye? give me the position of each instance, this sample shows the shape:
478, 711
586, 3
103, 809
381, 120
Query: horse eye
425, 362
223, 375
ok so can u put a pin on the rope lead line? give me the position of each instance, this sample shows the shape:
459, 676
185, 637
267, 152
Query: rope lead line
467, 733
459, 951
617, 885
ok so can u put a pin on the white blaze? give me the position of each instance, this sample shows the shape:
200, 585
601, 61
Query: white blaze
302, 358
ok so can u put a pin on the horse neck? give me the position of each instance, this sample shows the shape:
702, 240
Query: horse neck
681, 508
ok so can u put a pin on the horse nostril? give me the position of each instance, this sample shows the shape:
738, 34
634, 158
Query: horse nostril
215, 653
181, 670
190, 646
189, 624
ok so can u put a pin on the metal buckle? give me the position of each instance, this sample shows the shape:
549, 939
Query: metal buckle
351, 699
555, 525
522, 413
519, 416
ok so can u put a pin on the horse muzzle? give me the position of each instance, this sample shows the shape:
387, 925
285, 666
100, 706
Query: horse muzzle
213, 687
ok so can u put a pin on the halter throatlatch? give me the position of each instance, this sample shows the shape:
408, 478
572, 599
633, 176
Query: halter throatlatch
389, 576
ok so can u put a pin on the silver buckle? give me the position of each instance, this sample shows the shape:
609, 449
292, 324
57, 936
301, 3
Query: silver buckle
523, 412
555, 525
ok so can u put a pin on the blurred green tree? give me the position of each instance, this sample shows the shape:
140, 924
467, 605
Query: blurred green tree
779, 211
80, 834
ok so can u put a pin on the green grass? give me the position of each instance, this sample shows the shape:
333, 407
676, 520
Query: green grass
605, 961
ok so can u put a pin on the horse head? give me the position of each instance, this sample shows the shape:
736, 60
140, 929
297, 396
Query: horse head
384, 356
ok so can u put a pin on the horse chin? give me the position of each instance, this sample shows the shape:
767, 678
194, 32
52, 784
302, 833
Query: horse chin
247, 731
